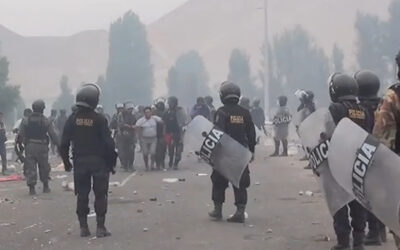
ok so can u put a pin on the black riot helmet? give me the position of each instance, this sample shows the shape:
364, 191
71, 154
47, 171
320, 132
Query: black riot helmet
282, 100
88, 96
368, 83
38, 106
341, 85
229, 93
160, 106
172, 102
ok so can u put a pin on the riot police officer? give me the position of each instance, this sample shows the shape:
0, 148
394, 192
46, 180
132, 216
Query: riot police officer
343, 91
368, 87
235, 121
281, 121
93, 157
34, 133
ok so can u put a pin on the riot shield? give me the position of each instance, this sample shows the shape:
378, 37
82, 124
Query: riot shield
314, 133
218, 149
299, 117
367, 169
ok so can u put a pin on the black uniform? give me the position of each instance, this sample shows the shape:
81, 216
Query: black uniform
90, 137
235, 121
348, 107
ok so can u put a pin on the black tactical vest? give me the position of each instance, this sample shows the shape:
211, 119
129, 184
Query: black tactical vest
86, 134
358, 114
36, 128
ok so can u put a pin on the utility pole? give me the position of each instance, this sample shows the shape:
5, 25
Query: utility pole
266, 62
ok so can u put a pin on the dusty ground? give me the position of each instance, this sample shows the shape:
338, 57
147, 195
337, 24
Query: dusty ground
279, 218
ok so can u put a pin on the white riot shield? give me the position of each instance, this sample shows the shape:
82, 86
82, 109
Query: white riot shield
218, 149
299, 117
314, 133
367, 169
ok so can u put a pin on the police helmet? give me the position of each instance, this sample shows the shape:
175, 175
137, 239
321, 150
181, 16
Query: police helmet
129, 105
160, 106
88, 96
368, 83
229, 92
38, 106
342, 85
282, 100
172, 101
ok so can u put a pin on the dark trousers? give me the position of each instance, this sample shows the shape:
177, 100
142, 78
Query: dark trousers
220, 183
3, 155
341, 221
175, 149
160, 152
127, 151
86, 170
375, 226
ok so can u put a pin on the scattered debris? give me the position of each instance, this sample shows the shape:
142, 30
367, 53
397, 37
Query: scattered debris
251, 226
92, 214
171, 201
115, 184
59, 168
257, 183
135, 192
14, 177
31, 226
153, 199
68, 186
301, 193
182, 179
47, 231
201, 174
5, 224
69, 231
170, 180
145, 229
63, 176
322, 238
93, 238
269, 231
140, 210
178, 238
309, 193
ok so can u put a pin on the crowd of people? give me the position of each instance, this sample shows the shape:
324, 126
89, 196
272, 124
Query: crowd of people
159, 130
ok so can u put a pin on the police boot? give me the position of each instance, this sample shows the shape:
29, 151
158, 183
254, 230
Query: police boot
373, 239
285, 148
216, 214
276, 153
32, 190
101, 229
238, 217
343, 243
358, 241
46, 188
84, 226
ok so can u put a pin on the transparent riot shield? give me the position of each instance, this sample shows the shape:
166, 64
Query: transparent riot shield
218, 149
367, 169
314, 133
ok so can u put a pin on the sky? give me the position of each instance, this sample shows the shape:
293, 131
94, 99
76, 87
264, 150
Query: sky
66, 17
